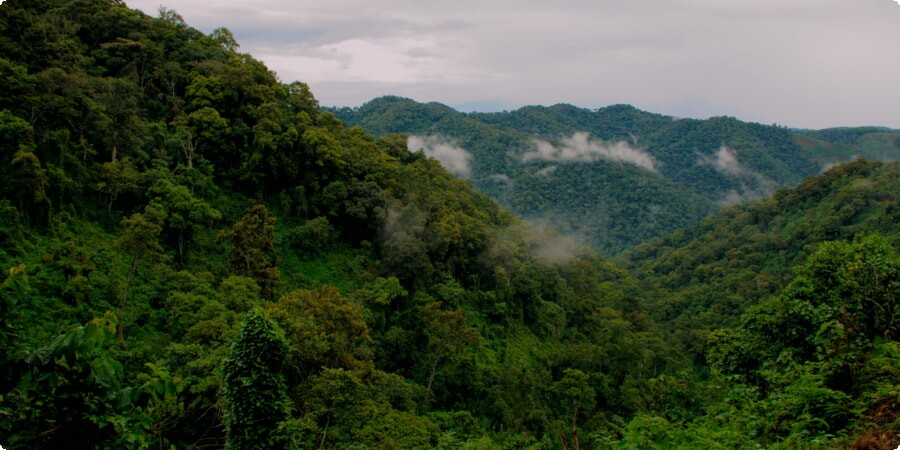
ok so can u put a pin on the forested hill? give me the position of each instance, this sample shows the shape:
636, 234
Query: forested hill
834, 145
615, 176
197, 256
793, 300
706, 275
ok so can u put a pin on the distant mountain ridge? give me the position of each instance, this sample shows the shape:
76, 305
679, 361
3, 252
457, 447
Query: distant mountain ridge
618, 176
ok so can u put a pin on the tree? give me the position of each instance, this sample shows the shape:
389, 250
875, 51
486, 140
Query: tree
24, 177
224, 38
577, 395
75, 391
202, 127
184, 211
119, 177
139, 244
14, 289
447, 334
324, 329
255, 394
254, 251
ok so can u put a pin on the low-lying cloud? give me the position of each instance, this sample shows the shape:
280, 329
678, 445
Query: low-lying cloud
753, 184
727, 163
543, 243
500, 178
579, 148
550, 246
546, 171
454, 158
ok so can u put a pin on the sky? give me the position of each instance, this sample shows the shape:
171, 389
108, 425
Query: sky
797, 63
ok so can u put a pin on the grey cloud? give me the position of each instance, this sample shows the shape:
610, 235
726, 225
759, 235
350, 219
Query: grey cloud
454, 158
579, 148
733, 197
764, 60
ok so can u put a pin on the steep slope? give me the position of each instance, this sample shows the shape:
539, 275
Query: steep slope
790, 303
708, 274
197, 254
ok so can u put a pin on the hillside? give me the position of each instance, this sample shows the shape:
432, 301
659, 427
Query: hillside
615, 176
706, 275
835, 145
791, 304
198, 256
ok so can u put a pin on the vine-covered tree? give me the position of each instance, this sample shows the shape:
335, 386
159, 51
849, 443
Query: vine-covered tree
255, 394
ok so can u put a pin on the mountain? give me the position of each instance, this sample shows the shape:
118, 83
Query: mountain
614, 176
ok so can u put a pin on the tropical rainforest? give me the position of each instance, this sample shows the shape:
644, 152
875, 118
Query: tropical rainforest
197, 255
617, 176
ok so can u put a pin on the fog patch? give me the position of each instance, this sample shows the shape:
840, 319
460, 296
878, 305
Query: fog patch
832, 165
402, 221
727, 163
500, 178
550, 246
732, 197
753, 184
579, 148
454, 158
542, 243
546, 171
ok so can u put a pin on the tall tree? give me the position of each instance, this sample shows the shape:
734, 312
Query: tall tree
140, 245
254, 251
255, 393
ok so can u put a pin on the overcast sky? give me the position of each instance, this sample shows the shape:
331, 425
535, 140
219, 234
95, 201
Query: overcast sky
799, 63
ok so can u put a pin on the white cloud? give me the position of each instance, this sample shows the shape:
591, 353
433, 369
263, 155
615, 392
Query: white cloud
579, 148
753, 184
546, 171
726, 162
455, 159
500, 178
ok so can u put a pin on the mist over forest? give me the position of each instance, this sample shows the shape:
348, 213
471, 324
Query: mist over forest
198, 254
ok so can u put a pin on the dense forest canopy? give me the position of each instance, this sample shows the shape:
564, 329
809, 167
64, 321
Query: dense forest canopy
618, 176
196, 255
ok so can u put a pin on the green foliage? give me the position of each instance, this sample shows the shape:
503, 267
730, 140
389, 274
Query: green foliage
416, 313
74, 389
14, 289
254, 250
313, 238
138, 243
809, 348
254, 386
710, 274
698, 165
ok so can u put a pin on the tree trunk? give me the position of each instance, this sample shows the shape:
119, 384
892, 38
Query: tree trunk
433, 372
